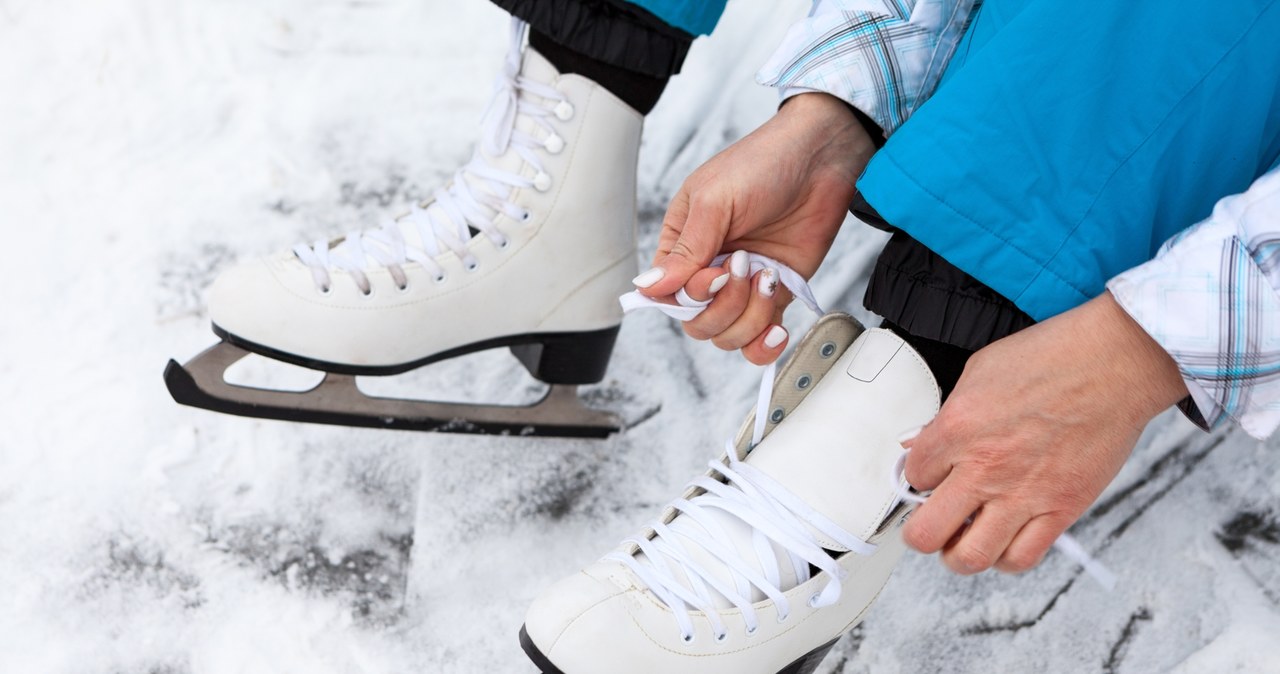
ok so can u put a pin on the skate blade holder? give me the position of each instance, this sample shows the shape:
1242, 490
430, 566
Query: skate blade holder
337, 400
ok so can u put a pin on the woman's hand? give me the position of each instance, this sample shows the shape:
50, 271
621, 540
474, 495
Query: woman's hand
1038, 425
782, 192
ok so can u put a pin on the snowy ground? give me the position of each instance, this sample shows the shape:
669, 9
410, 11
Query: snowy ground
146, 144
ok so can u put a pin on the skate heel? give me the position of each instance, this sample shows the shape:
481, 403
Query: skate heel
568, 357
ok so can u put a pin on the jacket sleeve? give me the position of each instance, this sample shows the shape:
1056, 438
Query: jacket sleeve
1211, 298
884, 57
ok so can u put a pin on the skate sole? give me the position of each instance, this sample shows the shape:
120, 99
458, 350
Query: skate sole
552, 357
337, 400
803, 665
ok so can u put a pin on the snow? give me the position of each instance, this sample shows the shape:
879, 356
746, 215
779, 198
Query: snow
147, 144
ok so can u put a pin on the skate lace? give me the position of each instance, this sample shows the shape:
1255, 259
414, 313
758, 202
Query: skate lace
778, 518
445, 222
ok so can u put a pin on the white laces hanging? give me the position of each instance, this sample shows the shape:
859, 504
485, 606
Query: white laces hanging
478, 193
777, 517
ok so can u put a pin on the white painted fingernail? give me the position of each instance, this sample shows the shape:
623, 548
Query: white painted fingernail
739, 264
768, 283
718, 284
649, 278
910, 435
777, 335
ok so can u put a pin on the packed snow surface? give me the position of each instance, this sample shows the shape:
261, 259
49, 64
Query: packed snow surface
147, 144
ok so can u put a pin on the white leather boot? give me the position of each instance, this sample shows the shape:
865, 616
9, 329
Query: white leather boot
530, 244
779, 550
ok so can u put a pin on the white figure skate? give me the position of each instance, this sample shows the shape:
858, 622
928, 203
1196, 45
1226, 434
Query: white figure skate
527, 247
777, 551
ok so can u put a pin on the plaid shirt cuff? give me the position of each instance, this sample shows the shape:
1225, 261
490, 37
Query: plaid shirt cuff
1211, 298
884, 57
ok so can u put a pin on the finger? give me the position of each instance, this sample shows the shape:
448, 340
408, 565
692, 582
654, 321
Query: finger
1030, 544
729, 303
699, 240
938, 519
672, 224
704, 285
984, 541
755, 319
928, 464
768, 346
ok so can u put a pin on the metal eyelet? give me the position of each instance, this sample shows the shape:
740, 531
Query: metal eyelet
777, 415
803, 382
564, 111
828, 350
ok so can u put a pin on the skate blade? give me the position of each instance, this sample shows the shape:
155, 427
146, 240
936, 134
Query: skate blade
338, 401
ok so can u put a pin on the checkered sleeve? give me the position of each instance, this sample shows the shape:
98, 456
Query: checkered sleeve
1211, 298
884, 57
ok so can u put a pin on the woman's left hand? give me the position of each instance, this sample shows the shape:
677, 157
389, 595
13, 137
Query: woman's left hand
1038, 425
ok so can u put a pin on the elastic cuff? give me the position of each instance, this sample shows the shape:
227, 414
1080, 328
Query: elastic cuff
619, 34
919, 290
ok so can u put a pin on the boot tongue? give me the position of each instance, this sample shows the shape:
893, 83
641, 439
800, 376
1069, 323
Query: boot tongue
835, 452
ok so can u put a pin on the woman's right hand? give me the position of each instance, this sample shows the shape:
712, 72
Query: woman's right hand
781, 192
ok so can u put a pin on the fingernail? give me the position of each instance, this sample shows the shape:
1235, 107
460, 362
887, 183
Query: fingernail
768, 282
718, 284
910, 435
649, 278
777, 335
739, 264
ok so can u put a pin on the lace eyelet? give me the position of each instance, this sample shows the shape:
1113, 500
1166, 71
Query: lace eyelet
828, 350
325, 290
471, 266
687, 638
564, 111
440, 278
542, 181
751, 631
526, 217
782, 618
553, 144
721, 638
366, 295
503, 244
813, 601
403, 288
777, 415
803, 382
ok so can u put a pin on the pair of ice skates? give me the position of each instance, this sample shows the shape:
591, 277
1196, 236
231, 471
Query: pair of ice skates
764, 562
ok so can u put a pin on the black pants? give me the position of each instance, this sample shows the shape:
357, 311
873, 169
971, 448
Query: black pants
943, 312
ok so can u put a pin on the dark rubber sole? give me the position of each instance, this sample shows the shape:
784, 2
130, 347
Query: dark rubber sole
803, 665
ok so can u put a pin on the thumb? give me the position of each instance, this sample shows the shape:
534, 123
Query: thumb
698, 242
